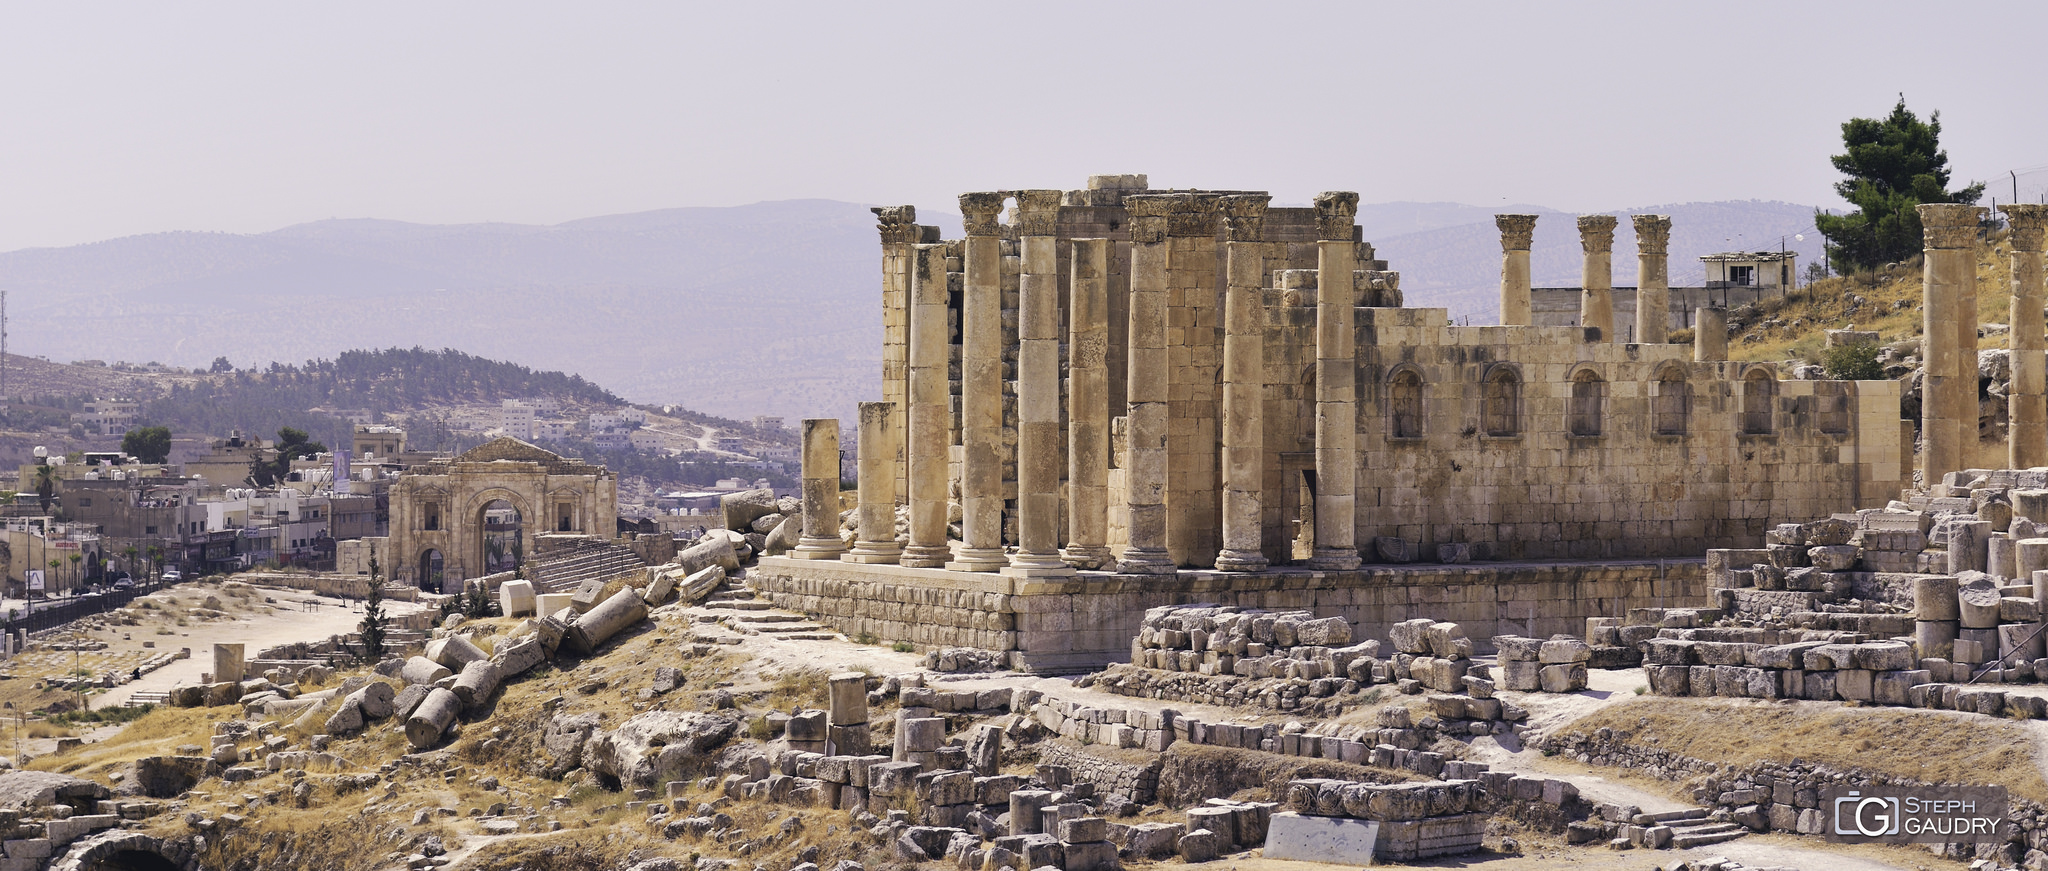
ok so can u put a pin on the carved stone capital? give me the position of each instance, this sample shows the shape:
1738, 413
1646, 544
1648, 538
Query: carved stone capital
1244, 216
1950, 225
1336, 211
1193, 215
1146, 216
981, 213
2028, 221
1037, 212
1515, 231
1596, 233
898, 224
1653, 234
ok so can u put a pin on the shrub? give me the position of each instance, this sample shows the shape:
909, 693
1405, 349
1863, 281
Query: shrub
1857, 362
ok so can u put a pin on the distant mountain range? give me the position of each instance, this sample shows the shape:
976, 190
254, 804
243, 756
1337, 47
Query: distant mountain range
772, 308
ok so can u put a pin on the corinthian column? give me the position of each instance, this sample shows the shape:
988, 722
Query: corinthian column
1244, 394
981, 387
1948, 386
1515, 231
2027, 434
1596, 307
1088, 406
899, 229
820, 539
1145, 421
1653, 280
875, 540
1336, 383
931, 411
1038, 391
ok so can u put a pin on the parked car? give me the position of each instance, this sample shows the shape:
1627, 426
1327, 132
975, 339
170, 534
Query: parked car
123, 584
172, 576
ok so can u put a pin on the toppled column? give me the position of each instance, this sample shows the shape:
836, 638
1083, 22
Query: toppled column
596, 626
1515, 233
2027, 433
1244, 395
931, 411
981, 387
1710, 335
1088, 406
821, 491
1948, 407
1653, 278
228, 664
432, 718
476, 683
879, 446
1145, 421
1336, 379
1596, 305
1038, 390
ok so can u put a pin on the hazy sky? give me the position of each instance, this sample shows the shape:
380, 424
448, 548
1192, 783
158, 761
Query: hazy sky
118, 118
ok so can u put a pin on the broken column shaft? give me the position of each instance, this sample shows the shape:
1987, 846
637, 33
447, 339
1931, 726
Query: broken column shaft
1948, 420
876, 542
821, 491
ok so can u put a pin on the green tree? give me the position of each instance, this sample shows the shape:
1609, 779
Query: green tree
150, 444
372, 627
1857, 362
1893, 164
46, 485
220, 365
292, 444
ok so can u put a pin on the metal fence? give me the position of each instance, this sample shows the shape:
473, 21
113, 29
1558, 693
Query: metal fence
52, 616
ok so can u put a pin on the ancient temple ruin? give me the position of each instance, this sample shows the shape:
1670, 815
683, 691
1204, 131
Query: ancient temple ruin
1120, 398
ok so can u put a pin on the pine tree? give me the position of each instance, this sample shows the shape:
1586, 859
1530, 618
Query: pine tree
1893, 164
372, 627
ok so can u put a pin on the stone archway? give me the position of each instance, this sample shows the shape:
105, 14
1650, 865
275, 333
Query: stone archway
502, 534
128, 851
430, 566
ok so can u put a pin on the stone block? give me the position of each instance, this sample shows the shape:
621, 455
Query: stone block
1330, 840
515, 598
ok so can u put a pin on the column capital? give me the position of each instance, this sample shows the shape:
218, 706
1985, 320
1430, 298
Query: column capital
981, 213
2029, 221
1193, 215
1653, 234
1515, 231
1037, 212
1950, 225
1335, 213
898, 224
1146, 216
1244, 216
1596, 233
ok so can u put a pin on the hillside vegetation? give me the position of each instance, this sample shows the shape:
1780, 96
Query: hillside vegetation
1887, 300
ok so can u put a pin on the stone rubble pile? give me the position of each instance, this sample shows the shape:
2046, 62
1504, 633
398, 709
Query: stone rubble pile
1557, 665
1222, 640
1417, 820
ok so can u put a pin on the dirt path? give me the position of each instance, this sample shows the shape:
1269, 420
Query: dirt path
320, 619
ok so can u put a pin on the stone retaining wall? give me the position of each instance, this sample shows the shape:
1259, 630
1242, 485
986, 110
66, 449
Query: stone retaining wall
1130, 781
1086, 622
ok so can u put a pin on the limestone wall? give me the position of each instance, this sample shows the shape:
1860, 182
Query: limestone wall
1559, 306
1088, 622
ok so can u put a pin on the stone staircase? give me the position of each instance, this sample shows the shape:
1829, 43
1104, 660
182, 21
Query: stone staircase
735, 607
1693, 827
565, 572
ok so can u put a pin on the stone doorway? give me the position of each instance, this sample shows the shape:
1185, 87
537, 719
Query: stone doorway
503, 537
430, 570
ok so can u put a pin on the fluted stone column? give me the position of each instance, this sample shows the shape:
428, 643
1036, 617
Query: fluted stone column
1948, 387
1596, 305
1038, 390
1710, 335
1145, 419
929, 440
1244, 394
1515, 232
1088, 406
1336, 385
2027, 433
820, 538
981, 387
899, 229
875, 541
1194, 339
1653, 278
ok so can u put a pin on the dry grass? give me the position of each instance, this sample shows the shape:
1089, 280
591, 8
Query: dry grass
157, 733
1824, 306
1935, 746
